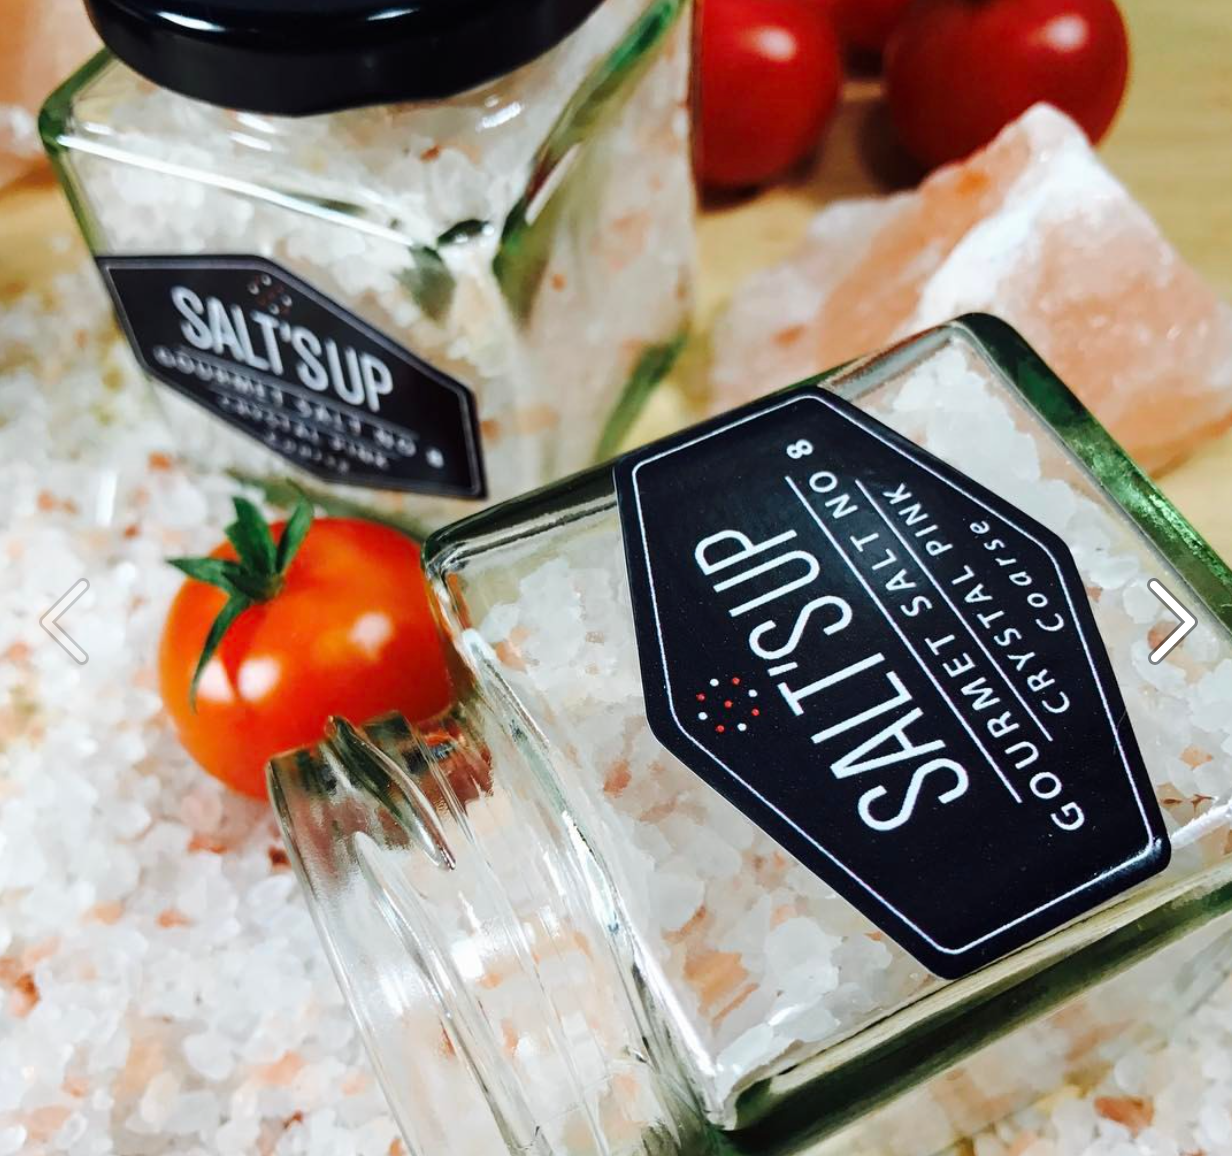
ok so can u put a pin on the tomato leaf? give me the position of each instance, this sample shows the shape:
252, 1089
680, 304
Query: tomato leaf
229, 576
293, 535
213, 571
255, 578
233, 608
251, 537
242, 581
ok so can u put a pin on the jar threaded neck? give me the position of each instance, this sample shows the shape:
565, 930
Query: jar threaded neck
462, 923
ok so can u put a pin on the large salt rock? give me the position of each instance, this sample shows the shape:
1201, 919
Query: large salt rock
1033, 229
41, 42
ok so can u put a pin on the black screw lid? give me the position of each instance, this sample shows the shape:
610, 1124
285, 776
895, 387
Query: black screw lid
294, 57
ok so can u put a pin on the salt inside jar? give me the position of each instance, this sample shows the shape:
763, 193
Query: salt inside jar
428, 256
566, 926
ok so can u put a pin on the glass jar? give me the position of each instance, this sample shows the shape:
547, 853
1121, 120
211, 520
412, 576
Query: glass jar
431, 256
560, 937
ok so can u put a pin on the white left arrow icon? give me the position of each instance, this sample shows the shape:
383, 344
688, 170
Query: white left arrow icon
1187, 623
50, 620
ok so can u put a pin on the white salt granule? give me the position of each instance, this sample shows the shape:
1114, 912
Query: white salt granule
210, 1055
676, 898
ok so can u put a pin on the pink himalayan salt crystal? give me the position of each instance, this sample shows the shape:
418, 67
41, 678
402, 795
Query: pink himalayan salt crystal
42, 42
1033, 229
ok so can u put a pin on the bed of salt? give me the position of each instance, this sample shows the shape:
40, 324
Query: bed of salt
162, 991
161, 984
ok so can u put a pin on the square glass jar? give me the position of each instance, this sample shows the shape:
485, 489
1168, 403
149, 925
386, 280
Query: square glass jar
541, 914
519, 254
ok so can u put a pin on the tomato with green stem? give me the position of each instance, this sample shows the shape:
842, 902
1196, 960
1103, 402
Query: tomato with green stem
283, 626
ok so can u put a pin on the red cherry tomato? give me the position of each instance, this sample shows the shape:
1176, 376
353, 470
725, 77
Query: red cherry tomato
866, 24
349, 632
958, 71
770, 78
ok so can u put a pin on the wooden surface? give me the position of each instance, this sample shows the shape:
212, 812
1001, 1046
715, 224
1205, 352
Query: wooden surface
1172, 145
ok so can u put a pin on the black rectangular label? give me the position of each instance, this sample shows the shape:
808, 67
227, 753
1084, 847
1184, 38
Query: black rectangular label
892, 671
269, 355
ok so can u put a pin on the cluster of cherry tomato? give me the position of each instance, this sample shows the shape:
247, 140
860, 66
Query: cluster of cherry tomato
955, 71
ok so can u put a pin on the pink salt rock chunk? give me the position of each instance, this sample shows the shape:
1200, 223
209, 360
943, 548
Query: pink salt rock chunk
1033, 229
41, 43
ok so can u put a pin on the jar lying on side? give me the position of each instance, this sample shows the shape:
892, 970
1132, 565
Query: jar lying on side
432, 255
840, 748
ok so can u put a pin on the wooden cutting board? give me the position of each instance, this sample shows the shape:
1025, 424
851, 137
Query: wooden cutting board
1172, 145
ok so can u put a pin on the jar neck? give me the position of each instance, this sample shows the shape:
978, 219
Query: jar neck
478, 941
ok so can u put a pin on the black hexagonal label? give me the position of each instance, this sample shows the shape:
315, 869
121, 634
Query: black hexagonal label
270, 355
892, 671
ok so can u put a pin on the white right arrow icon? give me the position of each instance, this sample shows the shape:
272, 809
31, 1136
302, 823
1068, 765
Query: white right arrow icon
1188, 621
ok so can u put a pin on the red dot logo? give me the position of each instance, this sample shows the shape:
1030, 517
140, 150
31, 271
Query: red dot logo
737, 710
